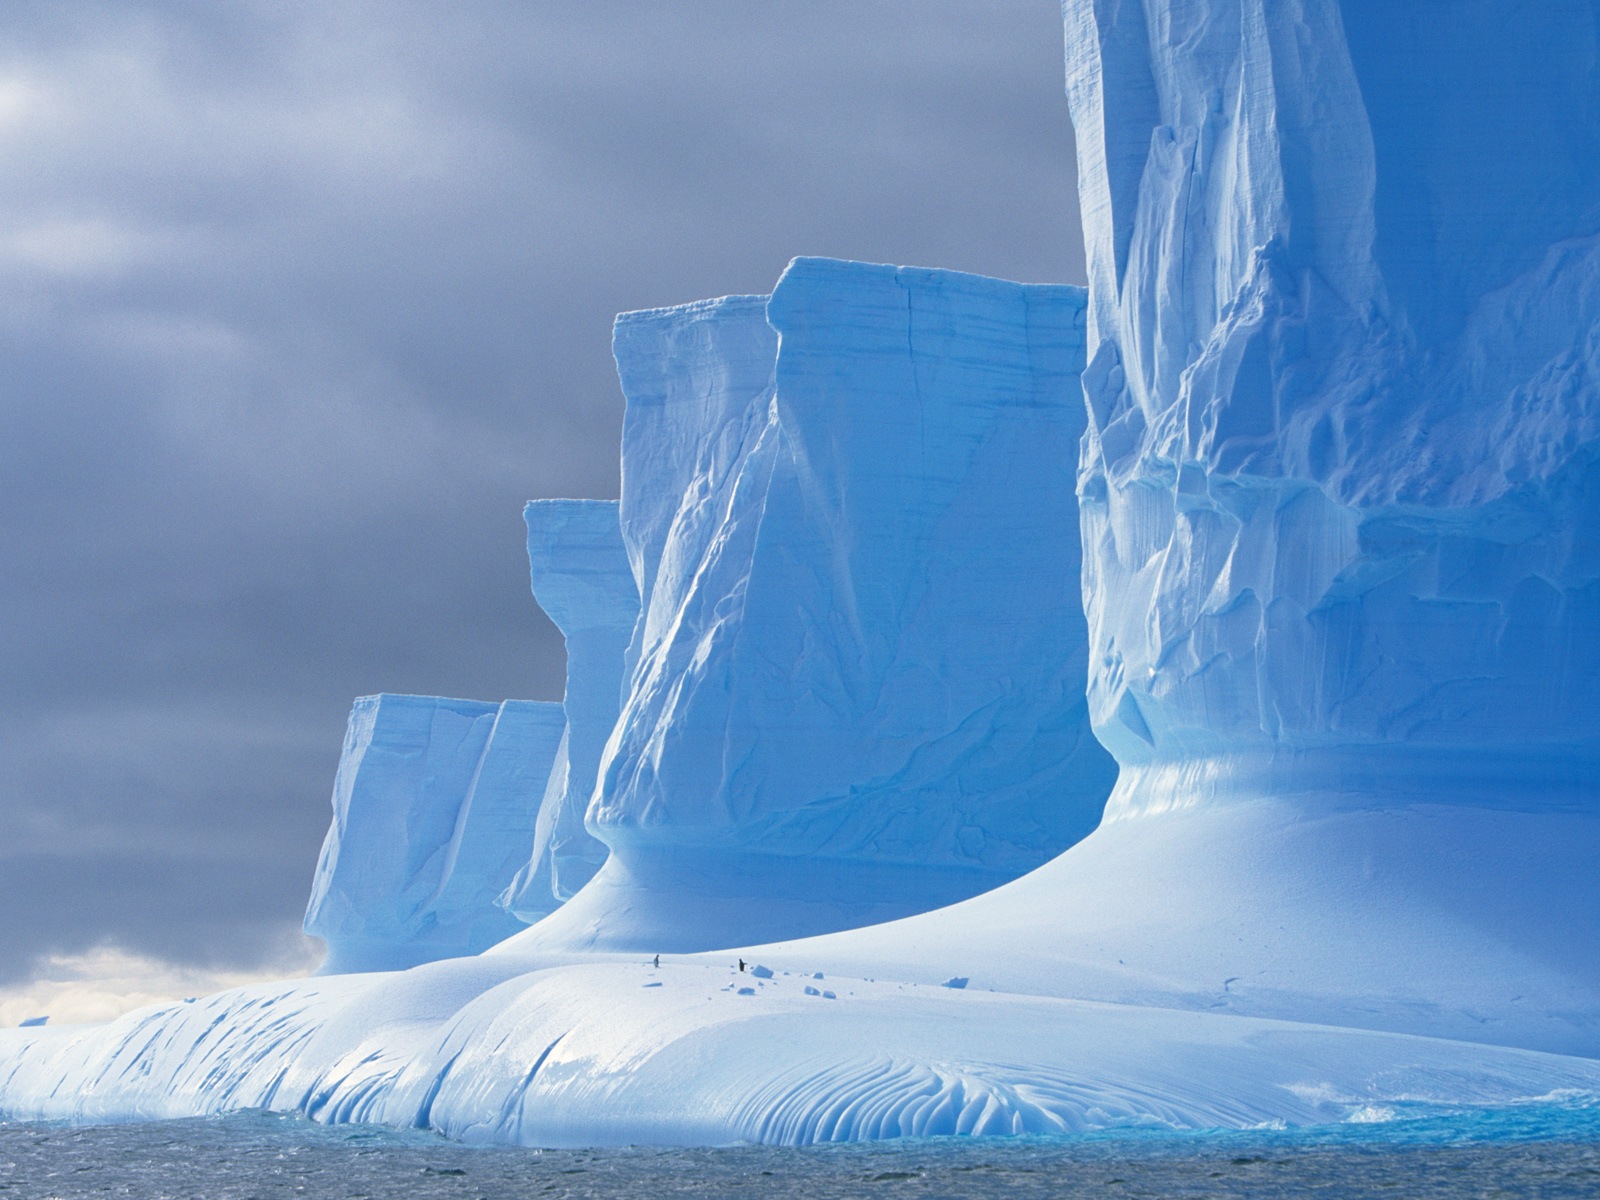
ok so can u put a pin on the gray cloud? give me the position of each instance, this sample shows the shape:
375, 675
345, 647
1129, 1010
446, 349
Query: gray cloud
303, 300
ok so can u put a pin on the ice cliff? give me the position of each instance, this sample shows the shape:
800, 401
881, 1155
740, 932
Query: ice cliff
856, 686
1337, 490
1339, 505
433, 807
583, 580
457, 822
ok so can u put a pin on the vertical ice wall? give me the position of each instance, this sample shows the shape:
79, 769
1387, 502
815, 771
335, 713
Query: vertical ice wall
433, 811
582, 578
856, 689
1340, 493
1341, 513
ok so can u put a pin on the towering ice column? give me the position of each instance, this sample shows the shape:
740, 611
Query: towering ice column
1340, 493
582, 578
1345, 285
856, 688
433, 811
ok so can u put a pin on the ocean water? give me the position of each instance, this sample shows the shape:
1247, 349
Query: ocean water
1549, 1149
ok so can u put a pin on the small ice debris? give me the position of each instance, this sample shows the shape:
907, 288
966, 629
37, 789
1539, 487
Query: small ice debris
811, 991
956, 981
657, 983
747, 991
761, 972
818, 975
1371, 1114
33, 1021
826, 995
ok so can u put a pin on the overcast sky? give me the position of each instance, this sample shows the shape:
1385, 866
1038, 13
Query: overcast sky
303, 300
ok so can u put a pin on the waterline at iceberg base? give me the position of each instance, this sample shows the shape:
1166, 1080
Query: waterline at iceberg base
1339, 403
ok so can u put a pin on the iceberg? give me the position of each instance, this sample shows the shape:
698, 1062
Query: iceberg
1339, 496
431, 803
458, 822
1337, 493
583, 580
856, 685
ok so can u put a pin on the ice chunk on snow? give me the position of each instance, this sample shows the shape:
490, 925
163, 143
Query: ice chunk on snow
434, 801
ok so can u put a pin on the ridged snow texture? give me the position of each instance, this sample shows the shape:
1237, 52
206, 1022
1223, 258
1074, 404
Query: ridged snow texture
619, 1054
1340, 483
862, 638
433, 808
582, 579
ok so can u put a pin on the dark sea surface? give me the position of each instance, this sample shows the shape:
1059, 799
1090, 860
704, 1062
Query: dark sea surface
1546, 1150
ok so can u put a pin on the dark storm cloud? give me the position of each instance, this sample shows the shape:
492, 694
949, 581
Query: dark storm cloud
301, 301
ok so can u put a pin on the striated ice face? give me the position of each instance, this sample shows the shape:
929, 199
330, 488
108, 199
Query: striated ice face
1340, 487
856, 686
434, 808
582, 579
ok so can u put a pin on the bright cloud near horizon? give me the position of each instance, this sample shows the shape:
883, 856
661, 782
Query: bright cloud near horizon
303, 300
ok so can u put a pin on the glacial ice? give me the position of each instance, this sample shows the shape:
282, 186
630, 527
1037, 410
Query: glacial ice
1338, 493
1340, 501
856, 687
432, 805
583, 580
458, 822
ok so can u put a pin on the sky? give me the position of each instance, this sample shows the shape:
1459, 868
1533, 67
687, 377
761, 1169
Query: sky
303, 300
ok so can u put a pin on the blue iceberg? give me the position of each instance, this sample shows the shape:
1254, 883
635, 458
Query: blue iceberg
583, 580
1332, 402
433, 800
856, 687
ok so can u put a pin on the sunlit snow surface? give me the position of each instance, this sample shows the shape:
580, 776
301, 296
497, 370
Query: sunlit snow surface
1549, 1150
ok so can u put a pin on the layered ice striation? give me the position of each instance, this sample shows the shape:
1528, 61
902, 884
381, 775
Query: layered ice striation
434, 807
583, 580
856, 685
1340, 500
